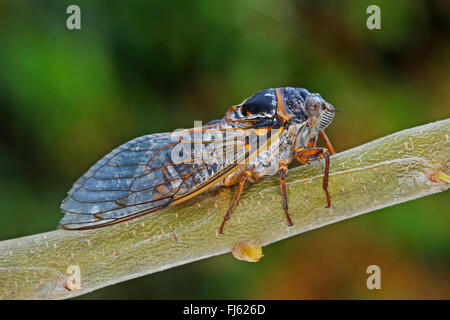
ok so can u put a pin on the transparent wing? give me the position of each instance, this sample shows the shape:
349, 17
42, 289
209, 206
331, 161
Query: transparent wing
151, 172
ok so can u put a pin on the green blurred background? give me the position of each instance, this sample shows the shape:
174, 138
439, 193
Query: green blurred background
139, 67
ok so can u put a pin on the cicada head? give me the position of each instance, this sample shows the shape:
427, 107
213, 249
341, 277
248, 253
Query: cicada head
309, 107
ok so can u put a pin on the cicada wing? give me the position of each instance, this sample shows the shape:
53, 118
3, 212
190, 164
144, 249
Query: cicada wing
149, 173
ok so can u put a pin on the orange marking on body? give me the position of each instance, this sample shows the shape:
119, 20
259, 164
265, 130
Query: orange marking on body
281, 108
311, 152
302, 159
260, 132
229, 112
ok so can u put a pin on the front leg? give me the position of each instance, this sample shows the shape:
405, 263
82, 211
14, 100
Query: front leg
327, 142
305, 154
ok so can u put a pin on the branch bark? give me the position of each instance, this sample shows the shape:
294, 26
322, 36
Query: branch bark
62, 264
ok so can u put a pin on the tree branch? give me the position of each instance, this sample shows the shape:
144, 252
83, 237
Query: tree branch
61, 264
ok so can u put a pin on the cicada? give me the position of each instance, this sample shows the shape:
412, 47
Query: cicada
255, 138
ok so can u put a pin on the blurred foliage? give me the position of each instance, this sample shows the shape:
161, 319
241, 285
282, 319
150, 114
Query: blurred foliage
135, 67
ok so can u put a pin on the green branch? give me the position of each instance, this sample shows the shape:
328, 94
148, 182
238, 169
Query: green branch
403, 166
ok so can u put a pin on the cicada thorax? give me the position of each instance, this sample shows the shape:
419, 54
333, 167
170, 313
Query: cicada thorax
283, 105
261, 105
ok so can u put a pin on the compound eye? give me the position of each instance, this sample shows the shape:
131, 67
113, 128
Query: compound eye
313, 106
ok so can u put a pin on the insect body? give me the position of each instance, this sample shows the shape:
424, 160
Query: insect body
258, 137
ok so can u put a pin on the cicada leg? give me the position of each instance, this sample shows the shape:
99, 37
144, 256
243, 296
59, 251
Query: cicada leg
282, 169
245, 175
305, 154
327, 142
